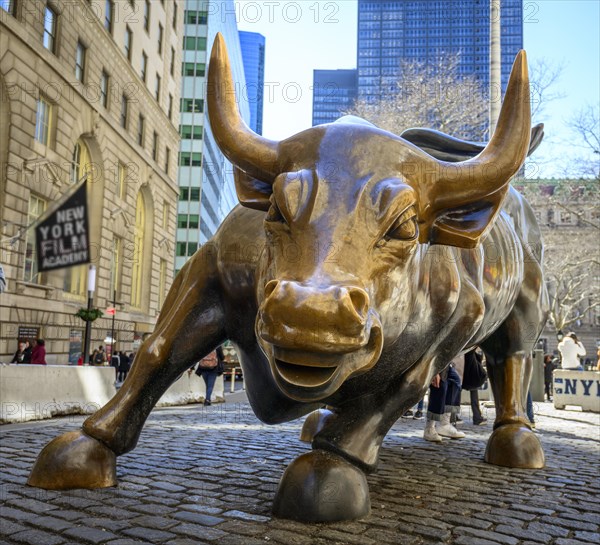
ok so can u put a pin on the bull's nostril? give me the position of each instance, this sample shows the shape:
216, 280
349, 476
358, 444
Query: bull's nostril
360, 300
270, 287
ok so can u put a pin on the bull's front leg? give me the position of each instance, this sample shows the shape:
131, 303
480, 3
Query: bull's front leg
191, 324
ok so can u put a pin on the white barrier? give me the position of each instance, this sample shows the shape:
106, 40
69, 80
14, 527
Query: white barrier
580, 388
37, 392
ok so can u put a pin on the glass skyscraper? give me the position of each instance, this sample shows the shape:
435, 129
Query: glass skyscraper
423, 30
253, 55
206, 186
334, 92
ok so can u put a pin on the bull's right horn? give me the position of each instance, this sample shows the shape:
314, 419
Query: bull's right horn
255, 155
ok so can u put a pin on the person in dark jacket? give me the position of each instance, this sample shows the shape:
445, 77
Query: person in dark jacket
549, 366
23, 353
124, 367
38, 354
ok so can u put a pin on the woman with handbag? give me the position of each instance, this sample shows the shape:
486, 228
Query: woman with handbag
473, 378
208, 368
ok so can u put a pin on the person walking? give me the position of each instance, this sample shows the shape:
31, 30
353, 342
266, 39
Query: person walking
474, 377
444, 399
38, 353
570, 351
123, 368
549, 366
208, 369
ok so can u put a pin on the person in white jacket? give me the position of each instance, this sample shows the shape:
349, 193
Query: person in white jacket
571, 350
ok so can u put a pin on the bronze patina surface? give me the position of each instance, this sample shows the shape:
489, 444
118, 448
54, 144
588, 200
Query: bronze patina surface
355, 269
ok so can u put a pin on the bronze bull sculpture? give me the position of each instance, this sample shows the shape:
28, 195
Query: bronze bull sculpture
376, 264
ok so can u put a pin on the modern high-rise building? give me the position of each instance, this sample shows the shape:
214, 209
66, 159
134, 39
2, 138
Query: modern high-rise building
206, 186
334, 92
253, 55
88, 88
422, 30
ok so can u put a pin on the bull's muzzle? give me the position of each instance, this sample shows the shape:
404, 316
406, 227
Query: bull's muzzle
317, 337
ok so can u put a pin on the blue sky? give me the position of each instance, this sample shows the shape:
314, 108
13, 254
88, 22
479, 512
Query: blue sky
306, 35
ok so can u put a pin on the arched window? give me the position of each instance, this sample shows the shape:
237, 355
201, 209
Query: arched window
81, 163
138, 251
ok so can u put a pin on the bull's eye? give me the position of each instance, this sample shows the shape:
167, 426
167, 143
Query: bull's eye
404, 228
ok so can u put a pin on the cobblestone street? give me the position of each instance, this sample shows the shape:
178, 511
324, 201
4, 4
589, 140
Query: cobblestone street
209, 474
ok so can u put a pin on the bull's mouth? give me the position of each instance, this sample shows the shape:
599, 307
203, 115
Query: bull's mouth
311, 376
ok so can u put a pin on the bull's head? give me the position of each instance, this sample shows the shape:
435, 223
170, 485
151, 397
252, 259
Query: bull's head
350, 211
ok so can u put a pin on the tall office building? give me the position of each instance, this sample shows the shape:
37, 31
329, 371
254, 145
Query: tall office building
334, 92
422, 30
206, 186
253, 55
88, 88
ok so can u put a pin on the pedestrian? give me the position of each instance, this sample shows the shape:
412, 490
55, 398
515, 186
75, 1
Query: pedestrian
444, 399
549, 366
23, 353
474, 377
123, 367
570, 351
208, 369
99, 356
38, 353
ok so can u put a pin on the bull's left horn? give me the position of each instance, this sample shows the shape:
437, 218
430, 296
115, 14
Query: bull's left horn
247, 150
451, 184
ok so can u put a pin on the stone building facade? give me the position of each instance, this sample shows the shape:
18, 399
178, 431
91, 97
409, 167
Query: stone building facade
89, 87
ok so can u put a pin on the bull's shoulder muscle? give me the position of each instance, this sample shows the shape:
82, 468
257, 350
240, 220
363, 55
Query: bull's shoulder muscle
239, 243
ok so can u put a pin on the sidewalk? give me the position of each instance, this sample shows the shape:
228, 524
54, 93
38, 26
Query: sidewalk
207, 475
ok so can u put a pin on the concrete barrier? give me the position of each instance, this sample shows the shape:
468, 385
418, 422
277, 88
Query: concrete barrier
580, 388
37, 392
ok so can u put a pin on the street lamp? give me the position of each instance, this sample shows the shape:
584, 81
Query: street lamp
88, 323
560, 335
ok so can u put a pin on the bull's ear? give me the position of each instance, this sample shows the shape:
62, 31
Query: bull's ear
252, 193
464, 226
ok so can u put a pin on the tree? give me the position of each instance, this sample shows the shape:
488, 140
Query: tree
585, 126
568, 215
432, 95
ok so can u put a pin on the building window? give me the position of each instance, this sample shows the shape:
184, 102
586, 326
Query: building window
165, 215
155, 145
189, 132
80, 62
193, 69
50, 26
144, 69
170, 108
162, 282
167, 159
9, 6
43, 121
157, 88
141, 130
189, 194
160, 39
104, 86
109, 15
196, 17
174, 16
194, 43
116, 266
128, 42
172, 67
192, 105
122, 181
124, 111
147, 15
138, 248
37, 207
188, 159
185, 221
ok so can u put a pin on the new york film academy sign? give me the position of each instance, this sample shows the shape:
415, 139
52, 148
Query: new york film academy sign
62, 238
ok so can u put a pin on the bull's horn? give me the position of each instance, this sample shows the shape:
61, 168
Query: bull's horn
247, 150
453, 184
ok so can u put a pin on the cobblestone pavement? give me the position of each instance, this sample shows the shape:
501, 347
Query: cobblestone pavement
208, 475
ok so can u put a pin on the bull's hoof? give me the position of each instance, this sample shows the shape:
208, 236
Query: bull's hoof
314, 423
320, 486
514, 445
74, 460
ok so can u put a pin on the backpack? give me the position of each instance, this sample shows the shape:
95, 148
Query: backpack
99, 358
209, 362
